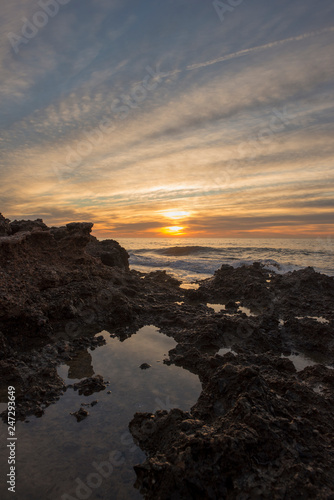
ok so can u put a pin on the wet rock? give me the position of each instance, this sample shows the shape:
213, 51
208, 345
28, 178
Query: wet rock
145, 366
90, 385
254, 433
231, 305
80, 414
161, 277
245, 283
259, 429
93, 403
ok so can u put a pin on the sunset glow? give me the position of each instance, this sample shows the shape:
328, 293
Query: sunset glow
173, 231
176, 214
138, 118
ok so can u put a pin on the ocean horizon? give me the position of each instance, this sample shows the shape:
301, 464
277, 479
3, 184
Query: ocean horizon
190, 259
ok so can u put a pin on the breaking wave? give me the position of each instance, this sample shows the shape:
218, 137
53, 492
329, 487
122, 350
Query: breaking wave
196, 261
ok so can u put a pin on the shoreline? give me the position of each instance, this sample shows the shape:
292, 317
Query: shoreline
197, 258
259, 426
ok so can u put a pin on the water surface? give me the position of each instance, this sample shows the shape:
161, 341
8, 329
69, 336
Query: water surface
56, 454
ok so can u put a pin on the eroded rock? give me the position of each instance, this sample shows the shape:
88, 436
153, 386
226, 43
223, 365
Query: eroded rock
257, 431
81, 414
88, 386
109, 251
5, 229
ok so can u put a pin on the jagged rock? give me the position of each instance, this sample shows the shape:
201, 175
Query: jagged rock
5, 229
109, 251
73, 235
231, 305
80, 414
145, 366
90, 385
245, 283
257, 431
46, 276
27, 225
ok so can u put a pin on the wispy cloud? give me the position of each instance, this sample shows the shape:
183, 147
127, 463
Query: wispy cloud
231, 134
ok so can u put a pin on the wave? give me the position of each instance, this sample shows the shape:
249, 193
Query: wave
187, 250
199, 259
207, 266
175, 251
180, 251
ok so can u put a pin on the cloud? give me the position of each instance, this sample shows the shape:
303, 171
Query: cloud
241, 136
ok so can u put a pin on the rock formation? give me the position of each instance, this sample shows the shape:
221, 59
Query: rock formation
260, 428
5, 229
46, 276
109, 251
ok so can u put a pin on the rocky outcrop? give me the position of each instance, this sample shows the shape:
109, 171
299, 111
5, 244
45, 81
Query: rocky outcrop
27, 225
290, 311
5, 229
47, 279
55, 296
247, 284
90, 385
109, 251
258, 430
302, 292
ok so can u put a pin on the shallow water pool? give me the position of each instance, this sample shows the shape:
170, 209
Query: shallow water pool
60, 458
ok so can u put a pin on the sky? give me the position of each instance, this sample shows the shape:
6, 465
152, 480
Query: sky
185, 118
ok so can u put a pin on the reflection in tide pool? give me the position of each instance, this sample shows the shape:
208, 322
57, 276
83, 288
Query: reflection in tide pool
216, 307
300, 361
58, 456
189, 286
246, 311
319, 319
225, 350
221, 307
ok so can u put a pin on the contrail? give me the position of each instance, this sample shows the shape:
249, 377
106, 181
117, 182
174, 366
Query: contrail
251, 50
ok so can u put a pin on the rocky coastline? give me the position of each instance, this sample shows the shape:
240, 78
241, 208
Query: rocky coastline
260, 428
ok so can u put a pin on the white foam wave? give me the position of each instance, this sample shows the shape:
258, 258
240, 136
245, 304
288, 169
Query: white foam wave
198, 261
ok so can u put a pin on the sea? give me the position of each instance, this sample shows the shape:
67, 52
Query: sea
194, 259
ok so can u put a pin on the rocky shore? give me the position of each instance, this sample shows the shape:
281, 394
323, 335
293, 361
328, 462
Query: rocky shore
260, 428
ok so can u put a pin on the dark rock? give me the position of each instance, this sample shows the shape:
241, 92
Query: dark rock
246, 437
90, 385
109, 251
245, 283
259, 429
46, 277
145, 366
5, 229
80, 414
231, 305
27, 225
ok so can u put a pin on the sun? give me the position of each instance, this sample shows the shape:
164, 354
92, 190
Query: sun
173, 230
177, 216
